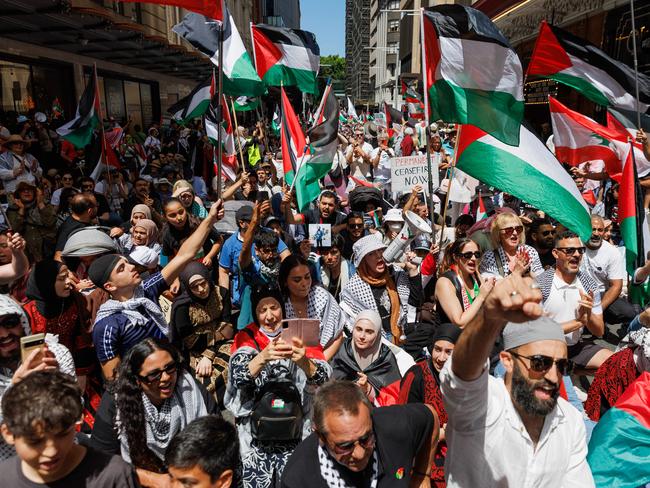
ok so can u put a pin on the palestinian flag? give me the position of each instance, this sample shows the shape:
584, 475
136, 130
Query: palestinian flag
352, 112
210, 8
79, 131
318, 116
239, 75
392, 116
632, 216
275, 123
413, 100
293, 149
625, 121
471, 74
195, 104
342, 118
481, 211
246, 104
528, 171
579, 139
575, 62
287, 57
228, 151
619, 448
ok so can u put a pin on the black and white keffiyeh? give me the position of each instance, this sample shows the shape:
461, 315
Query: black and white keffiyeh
129, 308
490, 268
321, 305
332, 475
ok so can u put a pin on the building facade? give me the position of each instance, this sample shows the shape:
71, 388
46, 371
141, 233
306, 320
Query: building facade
384, 51
48, 49
281, 13
357, 40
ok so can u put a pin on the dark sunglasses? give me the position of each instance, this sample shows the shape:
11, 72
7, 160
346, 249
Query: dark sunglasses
548, 232
541, 364
364, 441
157, 374
469, 254
509, 230
570, 251
10, 321
355, 226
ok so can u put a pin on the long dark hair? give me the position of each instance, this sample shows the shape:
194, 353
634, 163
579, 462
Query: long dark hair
291, 261
452, 252
128, 399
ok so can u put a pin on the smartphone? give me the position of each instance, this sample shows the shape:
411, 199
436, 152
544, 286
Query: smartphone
29, 343
262, 196
306, 329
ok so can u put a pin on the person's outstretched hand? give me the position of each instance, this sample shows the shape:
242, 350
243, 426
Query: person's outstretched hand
513, 299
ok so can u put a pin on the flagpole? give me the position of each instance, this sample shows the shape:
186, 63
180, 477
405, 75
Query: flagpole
102, 134
234, 116
302, 158
451, 179
636, 66
427, 131
219, 112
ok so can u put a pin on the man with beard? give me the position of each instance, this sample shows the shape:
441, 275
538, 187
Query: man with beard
354, 230
325, 213
515, 432
571, 297
542, 235
605, 264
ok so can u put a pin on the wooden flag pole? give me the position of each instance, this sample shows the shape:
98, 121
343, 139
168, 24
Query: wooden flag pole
234, 117
427, 131
219, 112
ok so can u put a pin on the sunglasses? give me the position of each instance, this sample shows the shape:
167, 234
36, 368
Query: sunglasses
470, 254
157, 374
548, 232
355, 226
509, 230
364, 441
541, 364
570, 251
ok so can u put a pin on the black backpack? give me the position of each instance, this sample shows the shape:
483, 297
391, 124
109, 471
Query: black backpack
277, 411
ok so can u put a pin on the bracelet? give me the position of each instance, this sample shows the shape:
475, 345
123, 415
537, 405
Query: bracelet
420, 473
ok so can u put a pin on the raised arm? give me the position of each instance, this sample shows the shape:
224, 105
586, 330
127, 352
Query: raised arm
19, 265
246, 256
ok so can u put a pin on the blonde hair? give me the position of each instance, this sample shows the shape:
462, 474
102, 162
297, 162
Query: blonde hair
500, 222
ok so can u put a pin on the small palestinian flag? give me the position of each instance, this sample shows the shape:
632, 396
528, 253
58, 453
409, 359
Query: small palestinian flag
413, 100
79, 131
352, 112
195, 104
575, 62
471, 74
392, 116
288, 57
212, 128
275, 123
481, 212
246, 104
318, 116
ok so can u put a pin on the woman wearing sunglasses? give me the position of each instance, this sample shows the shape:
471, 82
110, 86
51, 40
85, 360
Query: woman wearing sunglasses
460, 289
152, 399
510, 250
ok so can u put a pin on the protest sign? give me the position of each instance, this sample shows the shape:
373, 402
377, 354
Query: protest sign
406, 172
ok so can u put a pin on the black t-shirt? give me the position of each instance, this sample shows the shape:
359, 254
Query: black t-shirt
400, 431
547, 260
102, 204
68, 226
96, 470
313, 216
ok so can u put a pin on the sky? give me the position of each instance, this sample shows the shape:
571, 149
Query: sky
326, 19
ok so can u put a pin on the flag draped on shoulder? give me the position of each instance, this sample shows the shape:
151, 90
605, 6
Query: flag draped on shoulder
575, 62
239, 75
79, 131
195, 104
579, 139
286, 56
212, 128
528, 171
471, 74
625, 121
293, 148
209, 8
619, 447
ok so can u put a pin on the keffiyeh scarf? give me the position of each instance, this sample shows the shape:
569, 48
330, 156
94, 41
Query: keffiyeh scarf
321, 305
332, 475
129, 309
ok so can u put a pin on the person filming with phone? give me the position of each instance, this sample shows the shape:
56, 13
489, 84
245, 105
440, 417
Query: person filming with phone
270, 387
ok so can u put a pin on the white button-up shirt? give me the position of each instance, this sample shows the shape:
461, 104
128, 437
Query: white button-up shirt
489, 445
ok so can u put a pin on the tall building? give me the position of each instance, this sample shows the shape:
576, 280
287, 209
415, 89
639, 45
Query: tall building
281, 13
384, 51
48, 49
357, 53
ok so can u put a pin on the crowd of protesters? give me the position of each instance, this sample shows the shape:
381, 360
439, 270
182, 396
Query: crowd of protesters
191, 340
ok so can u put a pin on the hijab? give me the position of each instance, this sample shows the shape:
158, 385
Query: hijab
370, 355
385, 280
194, 268
149, 227
143, 209
40, 288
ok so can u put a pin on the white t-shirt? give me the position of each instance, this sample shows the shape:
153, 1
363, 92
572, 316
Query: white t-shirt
604, 264
358, 167
382, 171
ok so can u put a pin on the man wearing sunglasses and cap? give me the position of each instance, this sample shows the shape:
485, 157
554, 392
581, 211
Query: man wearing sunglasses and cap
514, 432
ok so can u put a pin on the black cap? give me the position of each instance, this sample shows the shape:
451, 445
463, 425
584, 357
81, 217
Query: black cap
244, 213
101, 268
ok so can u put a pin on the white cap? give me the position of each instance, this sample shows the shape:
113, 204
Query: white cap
40, 117
394, 215
365, 246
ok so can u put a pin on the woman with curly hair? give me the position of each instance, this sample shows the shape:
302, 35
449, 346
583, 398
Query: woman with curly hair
152, 399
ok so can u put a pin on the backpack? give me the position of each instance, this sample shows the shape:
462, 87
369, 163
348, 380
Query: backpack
277, 410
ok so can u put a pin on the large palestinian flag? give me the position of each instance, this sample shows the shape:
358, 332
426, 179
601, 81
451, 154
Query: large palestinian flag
195, 104
575, 62
289, 57
528, 171
619, 447
210, 8
625, 121
294, 146
212, 129
579, 139
239, 75
471, 74
79, 131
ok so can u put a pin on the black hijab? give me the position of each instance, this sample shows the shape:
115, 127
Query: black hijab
40, 288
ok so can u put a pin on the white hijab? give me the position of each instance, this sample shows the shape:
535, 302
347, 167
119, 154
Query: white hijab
370, 355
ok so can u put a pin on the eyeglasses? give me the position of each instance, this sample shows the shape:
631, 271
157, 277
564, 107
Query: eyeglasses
541, 364
364, 441
570, 251
157, 374
469, 254
355, 226
509, 230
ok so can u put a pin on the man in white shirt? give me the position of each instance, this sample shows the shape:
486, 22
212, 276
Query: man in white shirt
380, 158
572, 298
358, 157
514, 432
606, 266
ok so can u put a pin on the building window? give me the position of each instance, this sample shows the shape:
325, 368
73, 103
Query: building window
391, 69
393, 5
393, 26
